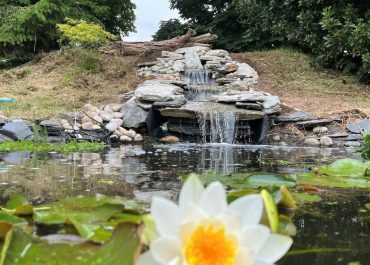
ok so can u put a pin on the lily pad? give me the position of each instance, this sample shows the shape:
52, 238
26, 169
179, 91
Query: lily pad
284, 198
344, 168
303, 198
325, 181
122, 249
270, 215
18, 205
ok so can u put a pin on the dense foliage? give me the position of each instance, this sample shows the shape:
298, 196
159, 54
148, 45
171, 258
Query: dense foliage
29, 26
365, 150
79, 33
336, 32
169, 29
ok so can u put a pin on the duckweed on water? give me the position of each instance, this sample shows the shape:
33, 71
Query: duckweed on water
69, 147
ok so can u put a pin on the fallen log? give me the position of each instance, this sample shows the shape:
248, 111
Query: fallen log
140, 48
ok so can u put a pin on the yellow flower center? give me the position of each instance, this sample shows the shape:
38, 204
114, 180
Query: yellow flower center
208, 245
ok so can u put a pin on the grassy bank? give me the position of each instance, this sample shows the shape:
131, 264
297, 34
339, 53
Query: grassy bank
64, 81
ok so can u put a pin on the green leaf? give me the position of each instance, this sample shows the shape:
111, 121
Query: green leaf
325, 181
122, 249
302, 198
344, 168
270, 216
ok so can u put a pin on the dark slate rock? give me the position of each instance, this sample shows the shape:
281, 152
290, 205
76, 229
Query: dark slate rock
4, 138
183, 128
247, 105
16, 157
362, 126
17, 130
295, 116
338, 135
134, 116
354, 137
352, 144
314, 123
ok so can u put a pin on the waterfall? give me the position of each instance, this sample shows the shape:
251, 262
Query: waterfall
218, 128
195, 94
198, 77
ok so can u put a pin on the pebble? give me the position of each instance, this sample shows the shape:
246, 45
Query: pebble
170, 139
117, 115
115, 107
276, 138
312, 142
130, 133
125, 138
320, 130
138, 138
326, 141
112, 127
105, 116
119, 122
88, 126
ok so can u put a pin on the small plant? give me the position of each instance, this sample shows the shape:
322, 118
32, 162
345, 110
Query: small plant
79, 33
365, 150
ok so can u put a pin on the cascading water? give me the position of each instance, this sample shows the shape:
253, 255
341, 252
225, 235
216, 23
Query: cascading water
217, 127
198, 77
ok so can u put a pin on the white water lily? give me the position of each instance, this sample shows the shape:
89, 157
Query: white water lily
204, 230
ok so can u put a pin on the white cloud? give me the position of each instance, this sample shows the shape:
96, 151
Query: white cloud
149, 13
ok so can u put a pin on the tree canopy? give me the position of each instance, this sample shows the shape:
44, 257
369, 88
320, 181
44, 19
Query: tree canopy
29, 26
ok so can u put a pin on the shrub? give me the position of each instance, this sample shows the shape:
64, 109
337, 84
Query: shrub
79, 33
365, 150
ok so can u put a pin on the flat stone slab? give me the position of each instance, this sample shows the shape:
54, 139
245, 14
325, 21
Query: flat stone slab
338, 135
314, 123
362, 126
192, 108
176, 103
155, 90
295, 116
354, 137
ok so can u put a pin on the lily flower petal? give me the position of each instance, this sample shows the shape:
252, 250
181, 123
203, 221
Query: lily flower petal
213, 200
147, 259
275, 248
255, 238
166, 249
249, 208
191, 192
166, 215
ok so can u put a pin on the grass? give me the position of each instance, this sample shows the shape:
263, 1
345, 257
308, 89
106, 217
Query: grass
290, 75
71, 147
66, 80
63, 81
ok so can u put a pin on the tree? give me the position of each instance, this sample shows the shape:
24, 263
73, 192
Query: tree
29, 26
170, 29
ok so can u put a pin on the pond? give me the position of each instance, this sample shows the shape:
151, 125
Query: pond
333, 230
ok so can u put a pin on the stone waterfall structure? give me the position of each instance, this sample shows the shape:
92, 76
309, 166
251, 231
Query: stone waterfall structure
202, 94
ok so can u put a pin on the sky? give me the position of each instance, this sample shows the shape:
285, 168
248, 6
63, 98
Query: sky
148, 15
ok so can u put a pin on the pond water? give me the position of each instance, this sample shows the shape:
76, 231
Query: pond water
337, 227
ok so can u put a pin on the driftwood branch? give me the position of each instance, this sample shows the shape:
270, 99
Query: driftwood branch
139, 48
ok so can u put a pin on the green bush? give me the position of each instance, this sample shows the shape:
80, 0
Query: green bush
79, 33
365, 150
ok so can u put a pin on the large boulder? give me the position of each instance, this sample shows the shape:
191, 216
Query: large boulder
134, 116
17, 130
155, 90
192, 61
245, 71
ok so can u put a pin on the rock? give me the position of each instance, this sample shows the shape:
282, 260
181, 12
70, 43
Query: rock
320, 130
224, 81
97, 119
179, 66
111, 127
354, 137
276, 138
145, 104
245, 71
17, 130
170, 139
352, 144
88, 126
138, 138
133, 115
117, 115
295, 116
91, 108
213, 59
150, 76
66, 124
338, 135
231, 96
71, 115
192, 61
326, 141
105, 115
122, 130
119, 122
146, 64
246, 105
244, 85
172, 55
194, 48
96, 127
130, 133
114, 137
182, 128
4, 138
312, 142
314, 123
217, 53
125, 138
156, 91
362, 126
115, 107
192, 109
118, 133
177, 102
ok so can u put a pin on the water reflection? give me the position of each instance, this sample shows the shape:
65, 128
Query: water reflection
143, 171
